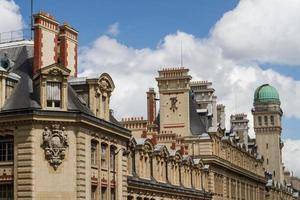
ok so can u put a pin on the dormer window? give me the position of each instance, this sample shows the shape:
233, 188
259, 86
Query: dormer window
53, 94
10, 84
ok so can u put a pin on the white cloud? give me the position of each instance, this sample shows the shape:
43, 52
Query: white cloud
113, 29
262, 30
134, 70
11, 18
291, 152
229, 58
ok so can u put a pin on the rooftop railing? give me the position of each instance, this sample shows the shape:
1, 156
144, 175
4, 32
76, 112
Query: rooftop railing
13, 36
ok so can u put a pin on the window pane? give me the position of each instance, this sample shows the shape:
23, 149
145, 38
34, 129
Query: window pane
53, 94
112, 158
6, 191
6, 149
94, 153
53, 91
103, 155
103, 193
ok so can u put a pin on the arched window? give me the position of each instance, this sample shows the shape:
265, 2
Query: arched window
266, 120
259, 121
272, 120
103, 155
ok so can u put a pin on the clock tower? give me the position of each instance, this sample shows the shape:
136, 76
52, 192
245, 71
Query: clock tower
174, 87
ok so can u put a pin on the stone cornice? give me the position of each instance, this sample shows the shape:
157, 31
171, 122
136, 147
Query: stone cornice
217, 161
40, 116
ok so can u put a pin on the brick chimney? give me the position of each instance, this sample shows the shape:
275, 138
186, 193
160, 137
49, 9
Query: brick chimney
45, 41
151, 105
68, 38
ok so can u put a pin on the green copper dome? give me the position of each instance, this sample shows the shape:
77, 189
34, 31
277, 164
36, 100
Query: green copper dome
266, 93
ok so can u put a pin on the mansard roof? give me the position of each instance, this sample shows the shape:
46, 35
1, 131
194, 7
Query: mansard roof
25, 96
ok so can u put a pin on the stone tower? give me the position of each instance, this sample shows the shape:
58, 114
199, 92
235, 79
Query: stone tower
173, 84
239, 126
204, 96
267, 126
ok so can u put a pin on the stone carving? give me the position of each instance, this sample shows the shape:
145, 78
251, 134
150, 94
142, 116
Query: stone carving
103, 86
55, 142
173, 103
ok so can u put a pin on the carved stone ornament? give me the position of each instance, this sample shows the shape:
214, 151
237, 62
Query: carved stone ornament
173, 106
103, 86
55, 142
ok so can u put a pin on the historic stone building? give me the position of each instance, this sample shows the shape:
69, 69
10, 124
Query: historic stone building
190, 121
59, 139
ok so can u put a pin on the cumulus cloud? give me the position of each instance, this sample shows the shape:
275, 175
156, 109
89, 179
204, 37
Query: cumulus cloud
113, 29
229, 57
134, 70
11, 18
290, 151
261, 30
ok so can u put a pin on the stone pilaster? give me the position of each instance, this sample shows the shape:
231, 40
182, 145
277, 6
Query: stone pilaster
81, 168
24, 167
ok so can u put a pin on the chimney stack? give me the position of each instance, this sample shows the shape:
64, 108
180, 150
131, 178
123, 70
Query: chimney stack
45, 41
151, 105
68, 39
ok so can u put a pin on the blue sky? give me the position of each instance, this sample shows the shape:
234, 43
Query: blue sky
143, 24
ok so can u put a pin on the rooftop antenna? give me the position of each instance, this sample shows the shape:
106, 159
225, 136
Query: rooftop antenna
235, 102
181, 60
31, 19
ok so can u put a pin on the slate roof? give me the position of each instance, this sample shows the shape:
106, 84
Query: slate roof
24, 96
198, 123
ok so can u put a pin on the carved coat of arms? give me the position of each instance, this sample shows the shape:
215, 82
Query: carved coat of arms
55, 142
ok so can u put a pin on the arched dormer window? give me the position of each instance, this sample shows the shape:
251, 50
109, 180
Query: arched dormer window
100, 91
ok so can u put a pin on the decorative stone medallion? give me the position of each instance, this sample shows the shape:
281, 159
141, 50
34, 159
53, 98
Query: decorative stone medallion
55, 142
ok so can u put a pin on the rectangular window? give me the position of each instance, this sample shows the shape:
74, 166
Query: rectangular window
53, 94
113, 194
103, 156
267, 146
112, 159
94, 192
103, 105
7, 191
10, 84
103, 193
94, 156
6, 150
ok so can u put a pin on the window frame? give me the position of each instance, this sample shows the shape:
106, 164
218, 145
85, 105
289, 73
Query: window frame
104, 157
94, 153
6, 153
52, 103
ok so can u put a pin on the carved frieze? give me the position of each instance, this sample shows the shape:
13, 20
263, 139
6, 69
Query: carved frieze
55, 142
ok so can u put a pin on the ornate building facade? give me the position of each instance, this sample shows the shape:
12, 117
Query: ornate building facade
59, 139
190, 121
